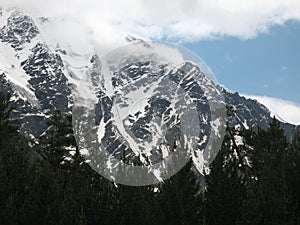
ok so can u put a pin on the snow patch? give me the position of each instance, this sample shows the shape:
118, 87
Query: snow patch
10, 66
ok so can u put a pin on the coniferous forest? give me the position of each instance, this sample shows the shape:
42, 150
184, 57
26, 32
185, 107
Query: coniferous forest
254, 182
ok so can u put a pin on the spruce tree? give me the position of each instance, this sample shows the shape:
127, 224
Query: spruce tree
268, 196
135, 205
14, 164
180, 198
58, 141
294, 175
225, 185
8, 126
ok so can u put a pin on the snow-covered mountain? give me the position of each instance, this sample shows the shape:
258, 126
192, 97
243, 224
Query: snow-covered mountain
131, 94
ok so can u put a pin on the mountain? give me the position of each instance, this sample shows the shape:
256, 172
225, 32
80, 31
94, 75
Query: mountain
131, 95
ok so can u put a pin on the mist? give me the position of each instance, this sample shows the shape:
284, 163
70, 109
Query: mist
177, 21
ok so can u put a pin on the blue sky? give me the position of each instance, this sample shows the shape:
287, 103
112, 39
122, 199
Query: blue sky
268, 65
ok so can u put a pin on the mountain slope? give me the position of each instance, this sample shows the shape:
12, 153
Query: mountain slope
42, 78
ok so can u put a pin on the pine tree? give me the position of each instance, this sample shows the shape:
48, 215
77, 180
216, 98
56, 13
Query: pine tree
268, 198
14, 164
225, 185
293, 173
8, 127
180, 198
58, 141
135, 205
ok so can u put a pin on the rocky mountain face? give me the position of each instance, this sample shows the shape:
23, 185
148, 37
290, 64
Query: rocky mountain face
32, 72
42, 78
249, 113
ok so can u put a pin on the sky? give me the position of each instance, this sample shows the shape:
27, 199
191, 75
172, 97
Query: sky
266, 68
252, 46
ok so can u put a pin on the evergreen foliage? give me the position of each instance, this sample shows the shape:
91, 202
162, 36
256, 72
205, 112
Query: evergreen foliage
225, 185
180, 200
254, 182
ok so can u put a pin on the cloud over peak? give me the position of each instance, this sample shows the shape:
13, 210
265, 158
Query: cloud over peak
282, 109
177, 20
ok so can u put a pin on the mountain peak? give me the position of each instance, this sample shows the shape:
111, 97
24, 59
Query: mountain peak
40, 75
19, 29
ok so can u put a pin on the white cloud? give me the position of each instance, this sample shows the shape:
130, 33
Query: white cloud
179, 20
282, 109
